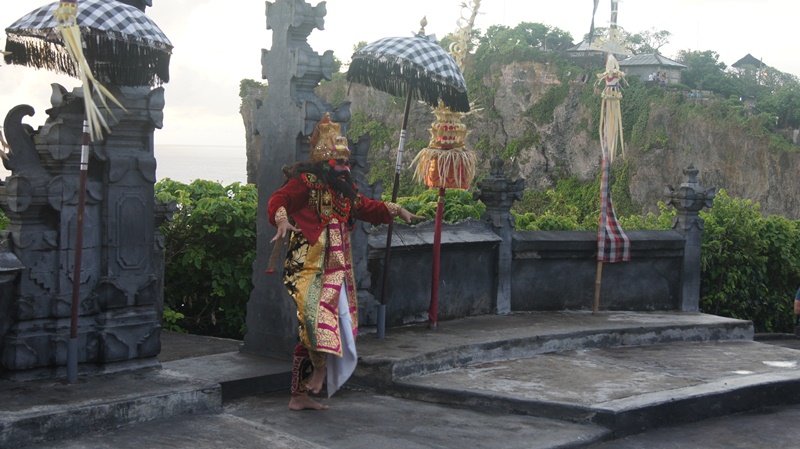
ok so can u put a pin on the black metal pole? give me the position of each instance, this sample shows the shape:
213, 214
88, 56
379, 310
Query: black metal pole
72, 345
395, 188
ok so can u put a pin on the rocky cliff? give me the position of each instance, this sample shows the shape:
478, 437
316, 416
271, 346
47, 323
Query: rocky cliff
564, 144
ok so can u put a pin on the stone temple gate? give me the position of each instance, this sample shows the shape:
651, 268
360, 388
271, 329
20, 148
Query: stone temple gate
121, 278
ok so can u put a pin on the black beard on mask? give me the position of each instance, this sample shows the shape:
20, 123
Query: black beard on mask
341, 182
326, 173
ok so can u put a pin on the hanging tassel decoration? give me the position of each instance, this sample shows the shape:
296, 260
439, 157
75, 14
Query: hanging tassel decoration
446, 163
65, 15
610, 110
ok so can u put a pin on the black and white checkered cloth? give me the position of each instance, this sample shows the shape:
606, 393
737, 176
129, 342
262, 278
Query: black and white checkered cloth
123, 21
393, 64
613, 245
420, 52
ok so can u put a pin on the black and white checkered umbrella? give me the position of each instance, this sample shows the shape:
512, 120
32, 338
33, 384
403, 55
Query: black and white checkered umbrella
396, 64
417, 67
123, 45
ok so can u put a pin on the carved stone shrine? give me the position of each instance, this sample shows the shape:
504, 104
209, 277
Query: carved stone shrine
121, 277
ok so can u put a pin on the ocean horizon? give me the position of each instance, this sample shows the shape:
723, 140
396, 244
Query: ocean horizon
185, 163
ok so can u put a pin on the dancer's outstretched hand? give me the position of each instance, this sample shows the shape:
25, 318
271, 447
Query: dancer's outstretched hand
283, 228
408, 216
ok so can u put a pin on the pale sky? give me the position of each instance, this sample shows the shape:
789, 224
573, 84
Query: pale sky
218, 43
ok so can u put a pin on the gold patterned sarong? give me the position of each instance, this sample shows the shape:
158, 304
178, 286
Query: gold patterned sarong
314, 276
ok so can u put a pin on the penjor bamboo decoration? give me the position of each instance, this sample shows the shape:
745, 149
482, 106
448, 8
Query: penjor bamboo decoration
4, 148
66, 15
613, 244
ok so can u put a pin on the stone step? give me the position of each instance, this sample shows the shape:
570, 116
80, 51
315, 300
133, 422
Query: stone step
415, 349
219, 431
626, 389
626, 371
238, 374
183, 387
40, 410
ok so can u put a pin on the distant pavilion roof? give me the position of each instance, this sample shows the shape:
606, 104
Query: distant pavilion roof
583, 46
651, 59
748, 60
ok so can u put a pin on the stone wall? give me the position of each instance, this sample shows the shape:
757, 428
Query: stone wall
551, 270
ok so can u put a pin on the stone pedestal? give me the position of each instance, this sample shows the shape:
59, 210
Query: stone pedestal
498, 193
689, 199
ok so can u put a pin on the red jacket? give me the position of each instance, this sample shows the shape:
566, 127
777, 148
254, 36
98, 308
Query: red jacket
298, 196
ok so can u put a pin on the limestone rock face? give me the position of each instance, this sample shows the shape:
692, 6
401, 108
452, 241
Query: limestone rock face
728, 158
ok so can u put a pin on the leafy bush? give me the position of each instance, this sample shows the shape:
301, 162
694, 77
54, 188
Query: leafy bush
750, 264
210, 247
542, 111
171, 319
547, 221
3, 221
651, 221
458, 205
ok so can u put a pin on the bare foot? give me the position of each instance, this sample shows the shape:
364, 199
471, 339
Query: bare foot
303, 402
314, 384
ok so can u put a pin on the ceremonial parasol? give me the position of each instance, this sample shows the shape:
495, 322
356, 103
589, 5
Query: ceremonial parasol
123, 45
446, 163
612, 243
414, 67
98, 41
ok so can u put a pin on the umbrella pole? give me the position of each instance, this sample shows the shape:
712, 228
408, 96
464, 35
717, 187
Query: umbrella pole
395, 188
72, 345
597, 283
433, 311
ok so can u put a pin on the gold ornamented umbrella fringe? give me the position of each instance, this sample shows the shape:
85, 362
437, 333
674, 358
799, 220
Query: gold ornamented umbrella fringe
442, 168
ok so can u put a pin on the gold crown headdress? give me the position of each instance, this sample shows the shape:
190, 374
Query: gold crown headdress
327, 141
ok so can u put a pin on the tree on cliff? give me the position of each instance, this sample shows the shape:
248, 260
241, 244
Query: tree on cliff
705, 72
643, 42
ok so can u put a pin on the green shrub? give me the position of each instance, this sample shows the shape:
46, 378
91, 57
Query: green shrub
210, 247
651, 221
458, 205
750, 264
171, 320
542, 111
547, 221
3, 221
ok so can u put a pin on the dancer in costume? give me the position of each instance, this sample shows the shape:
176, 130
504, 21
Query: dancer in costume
316, 209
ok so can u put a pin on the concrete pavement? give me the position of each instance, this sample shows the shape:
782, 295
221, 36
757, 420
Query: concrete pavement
543, 380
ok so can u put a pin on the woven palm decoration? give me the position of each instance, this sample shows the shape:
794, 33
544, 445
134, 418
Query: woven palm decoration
446, 162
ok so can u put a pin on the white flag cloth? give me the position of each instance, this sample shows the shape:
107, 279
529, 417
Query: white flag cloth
341, 368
